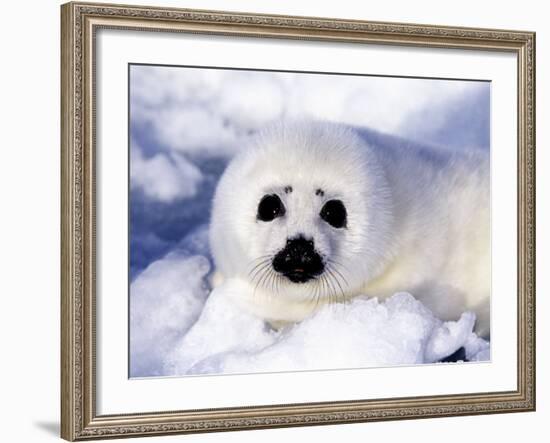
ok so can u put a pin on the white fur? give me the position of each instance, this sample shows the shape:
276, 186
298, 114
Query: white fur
418, 221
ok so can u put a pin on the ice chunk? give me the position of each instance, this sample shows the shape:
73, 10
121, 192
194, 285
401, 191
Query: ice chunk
361, 333
166, 299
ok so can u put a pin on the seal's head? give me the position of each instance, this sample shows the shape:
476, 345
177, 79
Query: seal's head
304, 212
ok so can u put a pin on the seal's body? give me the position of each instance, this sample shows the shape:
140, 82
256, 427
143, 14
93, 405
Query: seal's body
313, 213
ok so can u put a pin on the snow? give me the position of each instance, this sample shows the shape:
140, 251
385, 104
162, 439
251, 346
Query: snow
178, 329
213, 111
166, 299
163, 177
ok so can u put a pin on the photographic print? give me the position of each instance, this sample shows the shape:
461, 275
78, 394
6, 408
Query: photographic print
255, 206
291, 221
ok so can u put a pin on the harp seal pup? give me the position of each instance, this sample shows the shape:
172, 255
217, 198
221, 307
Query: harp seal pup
313, 213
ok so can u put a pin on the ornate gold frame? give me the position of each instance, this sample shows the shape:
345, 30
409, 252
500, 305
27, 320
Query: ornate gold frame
79, 21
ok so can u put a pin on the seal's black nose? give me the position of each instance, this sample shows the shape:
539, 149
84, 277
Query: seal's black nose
298, 260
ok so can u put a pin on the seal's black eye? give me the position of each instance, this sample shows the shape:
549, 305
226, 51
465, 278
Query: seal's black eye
270, 208
334, 213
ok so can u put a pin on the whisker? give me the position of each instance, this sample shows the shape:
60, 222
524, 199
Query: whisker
316, 293
335, 279
263, 262
339, 264
272, 280
332, 289
261, 279
265, 276
322, 287
261, 257
260, 270
335, 269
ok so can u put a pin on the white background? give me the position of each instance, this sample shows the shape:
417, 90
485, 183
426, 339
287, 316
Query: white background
117, 394
29, 238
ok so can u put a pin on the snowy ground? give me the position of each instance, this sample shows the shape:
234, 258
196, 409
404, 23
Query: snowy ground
180, 330
186, 125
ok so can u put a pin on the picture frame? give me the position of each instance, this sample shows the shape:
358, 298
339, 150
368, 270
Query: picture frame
81, 237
